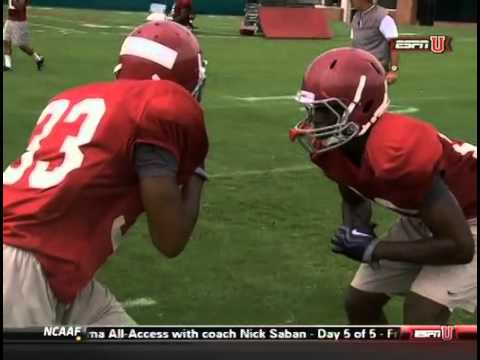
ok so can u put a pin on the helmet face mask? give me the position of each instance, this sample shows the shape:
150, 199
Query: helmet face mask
326, 126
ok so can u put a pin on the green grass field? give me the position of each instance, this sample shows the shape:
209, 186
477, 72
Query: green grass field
260, 253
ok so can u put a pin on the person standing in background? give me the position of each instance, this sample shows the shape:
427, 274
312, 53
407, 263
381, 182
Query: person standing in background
372, 29
182, 13
16, 31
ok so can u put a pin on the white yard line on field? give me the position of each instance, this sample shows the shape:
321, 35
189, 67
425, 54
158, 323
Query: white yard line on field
292, 97
289, 169
66, 30
61, 29
97, 26
262, 98
55, 18
128, 12
140, 302
224, 17
403, 109
219, 36
129, 27
123, 27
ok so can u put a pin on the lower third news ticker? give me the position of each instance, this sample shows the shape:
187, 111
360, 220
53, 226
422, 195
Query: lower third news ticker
79, 334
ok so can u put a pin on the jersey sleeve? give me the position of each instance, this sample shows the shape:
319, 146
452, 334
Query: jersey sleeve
152, 161
171, 119
388, 28
406, 159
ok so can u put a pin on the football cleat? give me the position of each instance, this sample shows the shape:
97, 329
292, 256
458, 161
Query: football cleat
40, 63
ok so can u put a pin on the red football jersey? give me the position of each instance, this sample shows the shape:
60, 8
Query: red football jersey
181, 5
401, 158
17, 13
74, 193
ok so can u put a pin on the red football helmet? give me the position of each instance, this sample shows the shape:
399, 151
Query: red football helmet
163, 50
345, 92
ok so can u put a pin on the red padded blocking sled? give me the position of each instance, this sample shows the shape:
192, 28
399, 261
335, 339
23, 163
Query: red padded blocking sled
295, 23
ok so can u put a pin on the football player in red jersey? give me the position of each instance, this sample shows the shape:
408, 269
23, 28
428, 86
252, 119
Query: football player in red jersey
16, 30
429, 254
182, 13
99, 156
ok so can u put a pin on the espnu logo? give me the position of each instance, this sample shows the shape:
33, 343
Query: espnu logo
437, 44
444, 333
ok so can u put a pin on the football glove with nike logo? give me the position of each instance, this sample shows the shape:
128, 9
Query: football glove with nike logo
356, 243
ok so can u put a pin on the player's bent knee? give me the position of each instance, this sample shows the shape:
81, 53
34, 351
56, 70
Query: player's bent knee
421, 310
358, 301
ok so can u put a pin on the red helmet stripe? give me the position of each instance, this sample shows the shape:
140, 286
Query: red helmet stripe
149, 50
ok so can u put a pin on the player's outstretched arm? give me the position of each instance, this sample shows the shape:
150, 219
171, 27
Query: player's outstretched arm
356, 211
172, 213
451, 242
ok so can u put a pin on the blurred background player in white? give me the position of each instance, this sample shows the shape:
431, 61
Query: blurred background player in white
372, 30
16, 31
157, 12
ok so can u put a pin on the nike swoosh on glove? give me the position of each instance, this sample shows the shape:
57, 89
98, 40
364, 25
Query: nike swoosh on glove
356, 243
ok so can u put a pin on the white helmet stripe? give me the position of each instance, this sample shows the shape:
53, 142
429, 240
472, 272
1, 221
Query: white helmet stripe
149, 50
379, 112
358, 93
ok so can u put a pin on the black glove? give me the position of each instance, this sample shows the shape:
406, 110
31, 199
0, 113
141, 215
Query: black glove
356, 243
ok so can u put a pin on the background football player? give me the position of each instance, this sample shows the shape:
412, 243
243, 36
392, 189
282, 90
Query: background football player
182, 13
99, 156
429, 254
16, 31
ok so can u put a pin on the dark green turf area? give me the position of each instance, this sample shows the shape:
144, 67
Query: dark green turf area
260, 253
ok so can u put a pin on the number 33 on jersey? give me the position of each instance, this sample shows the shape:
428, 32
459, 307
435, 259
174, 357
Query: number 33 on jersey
92, 110
78, 169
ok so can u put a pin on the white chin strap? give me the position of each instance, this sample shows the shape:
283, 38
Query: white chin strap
117, 68
202, 74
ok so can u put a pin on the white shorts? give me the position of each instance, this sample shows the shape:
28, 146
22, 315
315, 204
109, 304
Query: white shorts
17, 32
454, 286
29, 301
